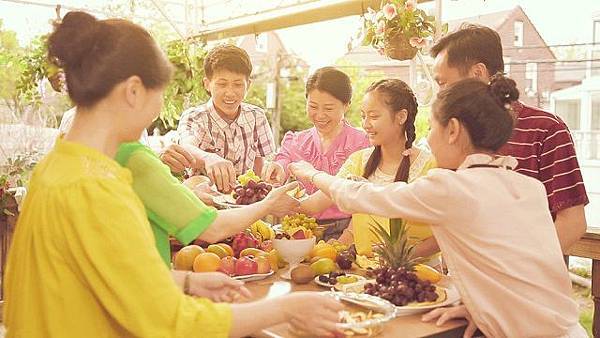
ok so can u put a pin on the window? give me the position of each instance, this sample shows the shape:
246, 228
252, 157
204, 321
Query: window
595, 113
506, 66
518, 27
531, 78
570, 112
595, 64
597, 31
261, 42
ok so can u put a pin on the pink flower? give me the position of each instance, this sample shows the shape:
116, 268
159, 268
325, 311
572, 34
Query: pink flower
417, 42
389, 11
410, 5
380, 28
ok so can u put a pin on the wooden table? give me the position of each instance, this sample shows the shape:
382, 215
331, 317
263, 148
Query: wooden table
407, 326
589, 247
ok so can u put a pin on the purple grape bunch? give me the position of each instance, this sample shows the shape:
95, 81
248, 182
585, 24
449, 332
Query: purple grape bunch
251, 193
400, 287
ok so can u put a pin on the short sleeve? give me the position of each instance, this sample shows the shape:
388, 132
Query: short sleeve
265, 144
559, 170
111, 245
169, 204
353, 165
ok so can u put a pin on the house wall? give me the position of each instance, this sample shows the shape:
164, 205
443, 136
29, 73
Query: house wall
531, 38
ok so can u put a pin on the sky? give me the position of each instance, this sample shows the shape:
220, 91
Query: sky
559, 22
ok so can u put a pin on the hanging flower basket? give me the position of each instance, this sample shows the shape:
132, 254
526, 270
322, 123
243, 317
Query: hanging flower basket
398, 29
398, 47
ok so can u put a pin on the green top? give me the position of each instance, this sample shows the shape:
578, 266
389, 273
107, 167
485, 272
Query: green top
172, 209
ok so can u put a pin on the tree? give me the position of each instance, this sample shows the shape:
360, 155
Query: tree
10, 63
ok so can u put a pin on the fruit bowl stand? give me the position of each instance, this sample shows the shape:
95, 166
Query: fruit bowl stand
406, 326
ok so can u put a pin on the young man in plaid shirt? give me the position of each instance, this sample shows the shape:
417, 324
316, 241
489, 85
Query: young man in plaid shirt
541, 141
225, 136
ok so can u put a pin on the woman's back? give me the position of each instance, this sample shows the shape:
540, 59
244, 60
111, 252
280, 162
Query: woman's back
83, 259
500, 244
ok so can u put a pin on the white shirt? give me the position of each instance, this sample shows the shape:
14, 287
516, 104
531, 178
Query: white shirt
497, 238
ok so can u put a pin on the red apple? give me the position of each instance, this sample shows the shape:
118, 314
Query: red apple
228, 265
242, 241
246, 266
266, 246
263, 265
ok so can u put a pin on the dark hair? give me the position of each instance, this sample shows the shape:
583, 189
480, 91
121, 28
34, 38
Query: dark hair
98, 54
227, 57
484, 109
398, 96
472, 44
332, 81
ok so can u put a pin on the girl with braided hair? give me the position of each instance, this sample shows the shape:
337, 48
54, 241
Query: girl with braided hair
491, 222
388, 113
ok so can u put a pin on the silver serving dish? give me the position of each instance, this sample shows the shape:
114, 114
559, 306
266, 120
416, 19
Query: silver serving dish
368, 302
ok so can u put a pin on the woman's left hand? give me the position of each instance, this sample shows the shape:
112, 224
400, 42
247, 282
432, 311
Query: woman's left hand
445, 314
217, 287
302, 170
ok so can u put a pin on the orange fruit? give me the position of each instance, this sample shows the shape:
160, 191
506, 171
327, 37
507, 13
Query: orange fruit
207, 262
425, 272
184, 258
324, 251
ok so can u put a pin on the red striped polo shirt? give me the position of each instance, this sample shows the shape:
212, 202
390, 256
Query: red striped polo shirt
542, 144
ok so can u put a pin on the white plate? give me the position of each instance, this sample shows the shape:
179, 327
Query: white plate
452, 296
327, 285
225, 201
254, 277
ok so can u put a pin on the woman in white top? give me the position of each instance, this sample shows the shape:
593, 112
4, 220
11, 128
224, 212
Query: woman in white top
491, 223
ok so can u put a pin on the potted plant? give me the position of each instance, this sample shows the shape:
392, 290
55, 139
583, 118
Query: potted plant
398, 29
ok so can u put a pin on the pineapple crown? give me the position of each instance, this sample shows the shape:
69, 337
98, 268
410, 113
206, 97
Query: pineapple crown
395, 250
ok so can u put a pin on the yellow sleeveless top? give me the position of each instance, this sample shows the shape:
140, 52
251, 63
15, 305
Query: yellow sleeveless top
361, 223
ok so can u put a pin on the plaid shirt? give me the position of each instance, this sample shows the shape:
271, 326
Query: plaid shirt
240, 141
542, 144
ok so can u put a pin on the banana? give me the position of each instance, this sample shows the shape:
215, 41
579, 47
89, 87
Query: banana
266, 231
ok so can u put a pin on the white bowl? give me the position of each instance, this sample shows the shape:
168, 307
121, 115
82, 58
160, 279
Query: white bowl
293, 251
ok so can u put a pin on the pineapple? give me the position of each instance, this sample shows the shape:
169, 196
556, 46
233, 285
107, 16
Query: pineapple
394, 249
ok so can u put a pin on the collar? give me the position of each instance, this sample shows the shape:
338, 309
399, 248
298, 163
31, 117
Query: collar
506, 162
221, 122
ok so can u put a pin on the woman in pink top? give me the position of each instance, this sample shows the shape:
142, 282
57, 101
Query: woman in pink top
327, 145
491, 223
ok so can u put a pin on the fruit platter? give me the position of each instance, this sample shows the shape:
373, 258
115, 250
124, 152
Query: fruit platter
398, 277
250, 189
246, 256
339, 280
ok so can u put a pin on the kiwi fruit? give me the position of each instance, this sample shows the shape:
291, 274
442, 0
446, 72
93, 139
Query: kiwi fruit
302, 274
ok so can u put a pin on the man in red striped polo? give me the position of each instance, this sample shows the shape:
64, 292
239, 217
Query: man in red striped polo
541, 141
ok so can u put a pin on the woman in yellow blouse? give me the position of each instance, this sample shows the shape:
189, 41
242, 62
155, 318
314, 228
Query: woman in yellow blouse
388, 115
83, 261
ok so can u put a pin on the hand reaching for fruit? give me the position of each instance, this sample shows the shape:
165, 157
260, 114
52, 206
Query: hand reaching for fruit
311, 312
280, 203
217, 287
273, 173
302, 170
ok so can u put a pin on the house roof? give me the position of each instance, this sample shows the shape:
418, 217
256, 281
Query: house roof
492, 20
